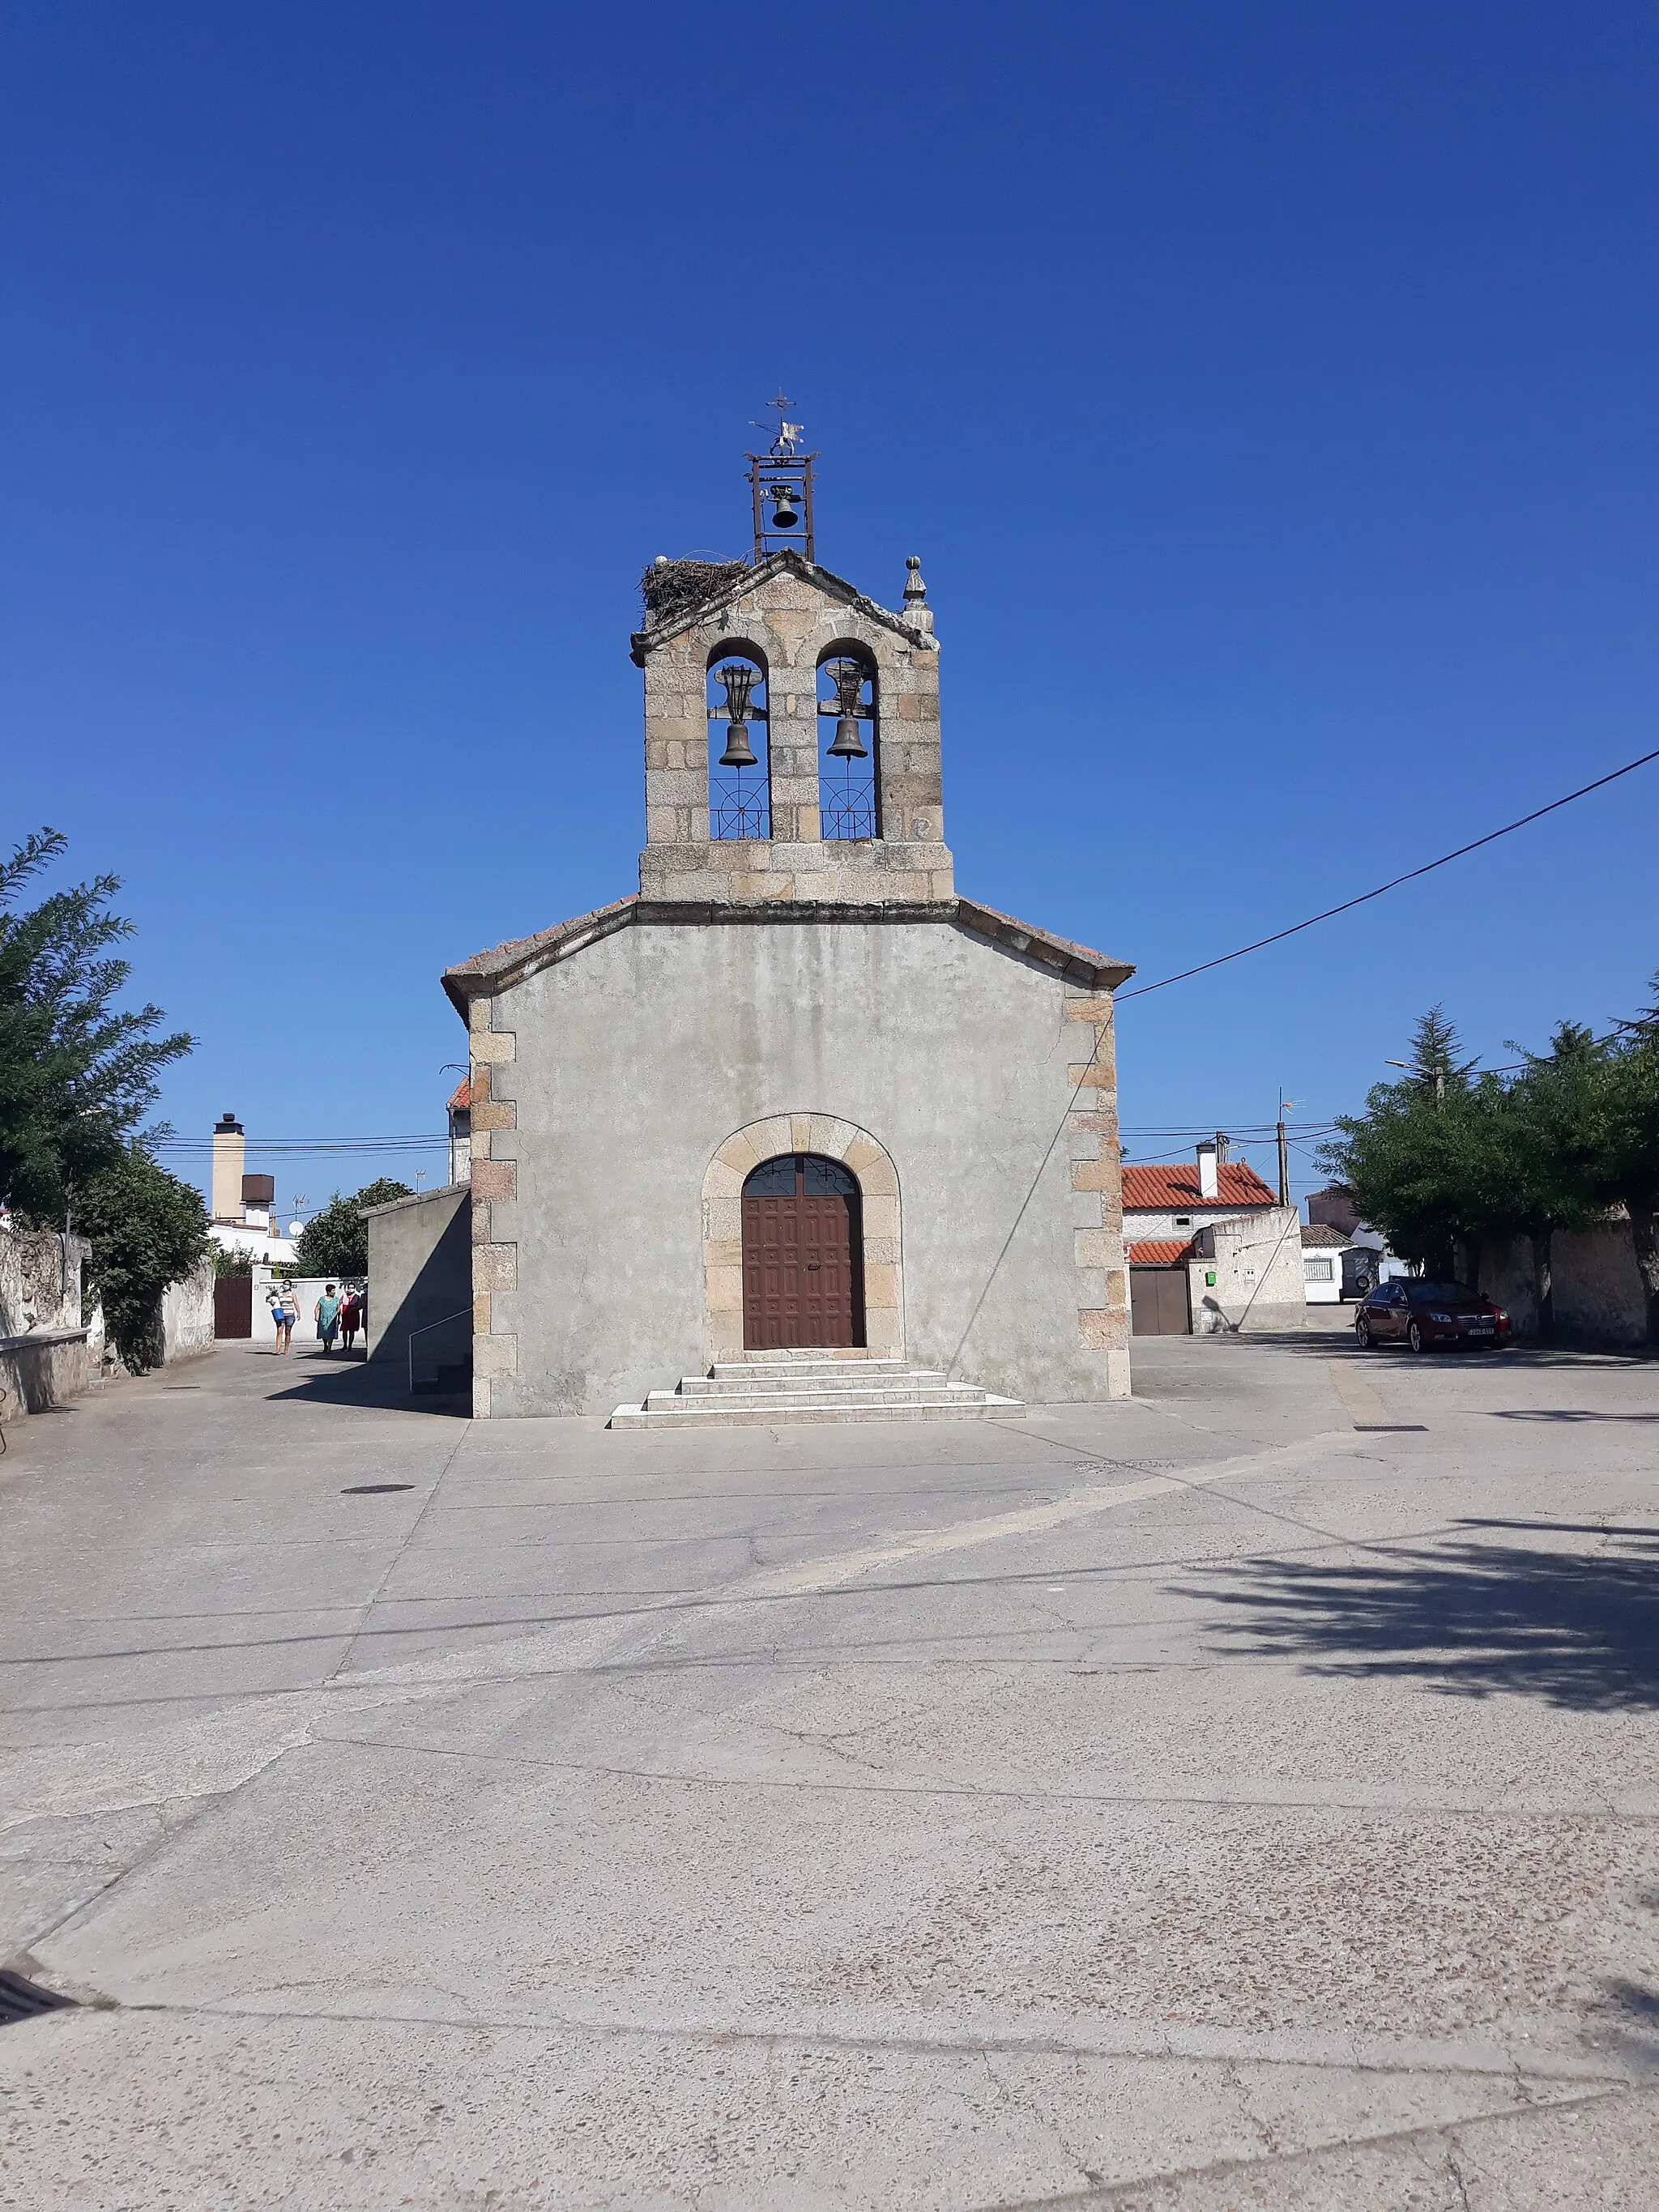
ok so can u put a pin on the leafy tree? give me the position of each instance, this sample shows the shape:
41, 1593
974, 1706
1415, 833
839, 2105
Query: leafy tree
1536, 1172
334, 1242
231, 1265
148, 1230
75, 1075
1409, 1159
1627, 1167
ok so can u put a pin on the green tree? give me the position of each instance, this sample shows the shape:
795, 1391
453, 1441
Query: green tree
148, 1230
334, 1242
1409, 1160
76, 1075
1542, 1173
1627, 1167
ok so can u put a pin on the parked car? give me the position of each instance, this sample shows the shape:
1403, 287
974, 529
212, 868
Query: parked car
1423, 1314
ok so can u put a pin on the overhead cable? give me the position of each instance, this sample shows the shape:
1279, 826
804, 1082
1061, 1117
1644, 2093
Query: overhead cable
1410, 876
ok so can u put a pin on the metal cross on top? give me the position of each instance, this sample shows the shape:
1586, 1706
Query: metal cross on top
782, 479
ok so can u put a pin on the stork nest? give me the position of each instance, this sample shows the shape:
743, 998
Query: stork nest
671, 587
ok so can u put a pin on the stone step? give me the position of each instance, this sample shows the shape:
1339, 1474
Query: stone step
757, 1401
766, 1387
811, 1378
697, 1413
841, 1355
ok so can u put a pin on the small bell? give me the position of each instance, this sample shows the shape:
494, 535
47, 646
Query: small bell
739, 681
737, 753
784, 516
848, 745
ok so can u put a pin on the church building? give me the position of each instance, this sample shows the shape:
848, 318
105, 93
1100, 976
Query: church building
799, 1103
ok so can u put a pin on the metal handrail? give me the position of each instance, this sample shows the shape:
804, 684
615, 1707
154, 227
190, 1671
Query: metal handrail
422, 1330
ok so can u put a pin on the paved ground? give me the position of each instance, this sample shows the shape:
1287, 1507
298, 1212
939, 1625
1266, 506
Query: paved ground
1205, 1802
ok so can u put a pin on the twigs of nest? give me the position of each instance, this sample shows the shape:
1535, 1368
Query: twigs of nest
670, 587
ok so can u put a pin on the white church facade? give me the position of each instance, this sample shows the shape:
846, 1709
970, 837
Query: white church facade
798, 1099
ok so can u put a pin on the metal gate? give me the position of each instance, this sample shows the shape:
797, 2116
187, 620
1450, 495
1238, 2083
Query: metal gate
1160, 1303
232, 1306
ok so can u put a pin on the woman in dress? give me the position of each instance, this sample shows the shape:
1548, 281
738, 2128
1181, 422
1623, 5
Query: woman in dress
328, 1316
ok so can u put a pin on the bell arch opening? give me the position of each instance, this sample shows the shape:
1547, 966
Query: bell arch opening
780, 1194
739, 750
849, 779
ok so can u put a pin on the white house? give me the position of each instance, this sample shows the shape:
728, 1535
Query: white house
1322, 1251
1209, 1247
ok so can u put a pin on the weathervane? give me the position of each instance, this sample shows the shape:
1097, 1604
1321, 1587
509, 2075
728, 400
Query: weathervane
781, 478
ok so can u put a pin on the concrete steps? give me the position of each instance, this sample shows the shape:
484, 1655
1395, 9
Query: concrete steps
766, 1388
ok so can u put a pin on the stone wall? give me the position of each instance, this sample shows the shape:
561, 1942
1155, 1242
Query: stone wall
420, 1278
186, 1316
789, 617
1597, 1285
1256, 1259
48, 1353
604, 1086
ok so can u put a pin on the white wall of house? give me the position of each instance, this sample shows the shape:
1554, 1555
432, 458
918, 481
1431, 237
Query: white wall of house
1256, 1260
1143, 1223
1322, 1278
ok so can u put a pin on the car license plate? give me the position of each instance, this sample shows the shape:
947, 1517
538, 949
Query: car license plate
1480, 1329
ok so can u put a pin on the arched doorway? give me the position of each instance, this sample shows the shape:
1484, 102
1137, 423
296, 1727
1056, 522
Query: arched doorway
803, 1254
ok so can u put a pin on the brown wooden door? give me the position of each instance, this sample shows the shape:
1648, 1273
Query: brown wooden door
802, 1256
232, 1306
1159, 1305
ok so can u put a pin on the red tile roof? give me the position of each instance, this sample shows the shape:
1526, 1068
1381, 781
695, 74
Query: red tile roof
1160, 1251
461, 1099
1173, 1189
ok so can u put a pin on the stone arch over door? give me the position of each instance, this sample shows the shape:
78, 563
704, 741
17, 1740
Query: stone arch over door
722, 1225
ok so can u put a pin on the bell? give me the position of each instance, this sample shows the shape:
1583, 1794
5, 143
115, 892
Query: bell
737, 753
848, 745
784, 516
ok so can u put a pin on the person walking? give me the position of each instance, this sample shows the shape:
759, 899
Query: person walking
328, 1316
284, 1311
351, 1319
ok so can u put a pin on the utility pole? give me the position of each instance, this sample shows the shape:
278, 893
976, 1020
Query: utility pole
1284, 1152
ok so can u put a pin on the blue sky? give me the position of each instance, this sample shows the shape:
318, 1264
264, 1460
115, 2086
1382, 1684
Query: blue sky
1268, 392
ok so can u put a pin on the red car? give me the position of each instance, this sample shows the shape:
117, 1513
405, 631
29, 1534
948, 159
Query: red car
1423, 1314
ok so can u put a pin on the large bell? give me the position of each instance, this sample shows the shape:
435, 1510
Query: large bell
784, 516
739, 681
848, 745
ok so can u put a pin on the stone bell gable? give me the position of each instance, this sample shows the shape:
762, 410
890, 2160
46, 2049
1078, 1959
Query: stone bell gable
789, 618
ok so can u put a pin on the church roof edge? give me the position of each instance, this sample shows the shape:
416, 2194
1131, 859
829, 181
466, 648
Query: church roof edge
785, 562
495, 971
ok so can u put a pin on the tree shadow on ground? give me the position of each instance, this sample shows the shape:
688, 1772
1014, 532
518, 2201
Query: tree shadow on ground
1562, 1413
1342, 1344
1468, 1616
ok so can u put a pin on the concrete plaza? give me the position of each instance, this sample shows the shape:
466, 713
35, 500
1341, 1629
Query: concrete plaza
1244, 1795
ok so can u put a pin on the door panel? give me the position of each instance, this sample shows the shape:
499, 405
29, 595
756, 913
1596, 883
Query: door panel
232, 1306
1160, 1301
802, 1256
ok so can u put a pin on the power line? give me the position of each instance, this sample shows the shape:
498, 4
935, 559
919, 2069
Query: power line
1410, 876
203, 1147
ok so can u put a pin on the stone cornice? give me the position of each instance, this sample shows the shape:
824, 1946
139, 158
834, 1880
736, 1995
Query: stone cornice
487, 973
